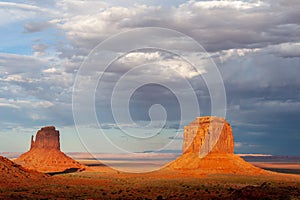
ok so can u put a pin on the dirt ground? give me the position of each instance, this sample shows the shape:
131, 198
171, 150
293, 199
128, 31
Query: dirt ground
282, 167
101, 182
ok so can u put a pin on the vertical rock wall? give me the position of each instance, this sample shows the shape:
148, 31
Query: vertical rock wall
46, 138
208, 135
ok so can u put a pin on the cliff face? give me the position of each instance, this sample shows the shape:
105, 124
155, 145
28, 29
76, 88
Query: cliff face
208, 135
46, 138
45, 155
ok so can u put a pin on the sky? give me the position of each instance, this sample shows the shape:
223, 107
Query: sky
85, 66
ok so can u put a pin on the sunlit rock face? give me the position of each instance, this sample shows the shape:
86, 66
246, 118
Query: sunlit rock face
208, 135
45, 155
46, 138
208, 148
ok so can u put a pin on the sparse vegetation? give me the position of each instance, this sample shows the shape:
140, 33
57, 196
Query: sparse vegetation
105, 183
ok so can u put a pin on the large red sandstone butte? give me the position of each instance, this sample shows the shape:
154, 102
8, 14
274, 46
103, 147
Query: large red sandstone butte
208, 148
45, 155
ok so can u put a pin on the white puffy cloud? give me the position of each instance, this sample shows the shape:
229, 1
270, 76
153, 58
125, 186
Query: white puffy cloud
51, 70
89, 28
287, 50
140, 57
165, 63
225, 4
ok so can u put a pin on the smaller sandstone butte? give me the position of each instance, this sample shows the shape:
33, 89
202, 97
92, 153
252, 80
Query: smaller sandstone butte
11, 172
208, 148
45, 155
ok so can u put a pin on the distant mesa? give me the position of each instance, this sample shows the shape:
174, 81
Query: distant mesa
208, 148
208, 134
45, 154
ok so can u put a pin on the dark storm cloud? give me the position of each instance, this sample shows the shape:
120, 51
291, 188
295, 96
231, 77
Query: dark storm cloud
260, 72
263, 94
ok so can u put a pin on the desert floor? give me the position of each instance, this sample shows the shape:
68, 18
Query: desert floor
102, 182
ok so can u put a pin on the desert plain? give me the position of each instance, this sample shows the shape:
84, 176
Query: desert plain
102, 182
45, 172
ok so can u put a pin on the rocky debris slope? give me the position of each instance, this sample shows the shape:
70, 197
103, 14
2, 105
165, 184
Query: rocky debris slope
45, 155
10, 171
208, 148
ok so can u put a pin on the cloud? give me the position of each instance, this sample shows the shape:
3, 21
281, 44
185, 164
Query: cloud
14, 12
235, 5
8, 105
51, 70
84, 29
15, 64
38, 26
238, 144
249, 40
20, 6
286, 50
34, 90
27, 103
255, 24
165, 62
255, 44
140, 57
32, 75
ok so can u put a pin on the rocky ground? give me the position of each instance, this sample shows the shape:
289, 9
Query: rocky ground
12, 172
101, 182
